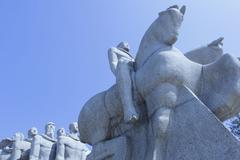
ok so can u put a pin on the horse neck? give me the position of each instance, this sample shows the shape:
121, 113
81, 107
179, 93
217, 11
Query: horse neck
147, 48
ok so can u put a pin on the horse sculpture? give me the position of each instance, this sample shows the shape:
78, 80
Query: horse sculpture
160, 71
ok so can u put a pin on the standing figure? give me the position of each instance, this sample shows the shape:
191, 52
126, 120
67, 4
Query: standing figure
25, 153
43, 147
19, 146
122, 66
70, 147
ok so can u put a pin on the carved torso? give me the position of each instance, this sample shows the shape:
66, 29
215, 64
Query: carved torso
47, 148
74, 148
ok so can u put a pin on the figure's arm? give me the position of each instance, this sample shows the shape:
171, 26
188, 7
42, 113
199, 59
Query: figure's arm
113, 59
114, 55
207, 54
35, 148
60, 150
16, 154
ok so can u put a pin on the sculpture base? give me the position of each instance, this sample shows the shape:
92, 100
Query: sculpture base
115, 149
196, 133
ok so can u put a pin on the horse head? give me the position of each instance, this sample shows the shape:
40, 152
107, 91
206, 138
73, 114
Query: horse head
163, 32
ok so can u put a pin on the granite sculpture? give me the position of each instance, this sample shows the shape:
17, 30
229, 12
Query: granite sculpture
32, 132
6, 148
167, 90
21, 146
17, 148
69, 146
43, 146
121, 63
61, 132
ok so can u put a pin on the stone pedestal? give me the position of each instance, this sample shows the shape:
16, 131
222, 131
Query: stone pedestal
196, 133
115, 149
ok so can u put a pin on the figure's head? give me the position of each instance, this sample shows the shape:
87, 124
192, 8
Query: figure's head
18, 136
50, 129
73, 127
61, 132
124, 46
167, 25
32, 132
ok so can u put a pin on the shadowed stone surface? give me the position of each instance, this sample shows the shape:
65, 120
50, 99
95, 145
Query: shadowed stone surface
196, 133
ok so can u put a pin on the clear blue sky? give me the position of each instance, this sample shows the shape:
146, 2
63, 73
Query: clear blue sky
53, 53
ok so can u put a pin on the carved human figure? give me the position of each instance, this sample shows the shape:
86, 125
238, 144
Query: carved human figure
19, 146
25, 146
70, 147
43, 147
121, 64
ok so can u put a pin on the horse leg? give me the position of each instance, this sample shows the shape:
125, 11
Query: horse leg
160, 103
160, 123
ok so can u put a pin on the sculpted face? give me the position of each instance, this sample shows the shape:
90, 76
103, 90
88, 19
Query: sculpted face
18, 136
73, 127
169, 22
50, 129
61, 132
32, 132
124, 46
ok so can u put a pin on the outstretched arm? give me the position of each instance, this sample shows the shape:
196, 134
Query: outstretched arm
114, 56
113, 59
207, 54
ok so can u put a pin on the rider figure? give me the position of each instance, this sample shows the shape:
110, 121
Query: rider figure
121, 63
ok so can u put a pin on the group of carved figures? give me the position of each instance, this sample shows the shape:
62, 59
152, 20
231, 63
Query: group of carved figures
45, 146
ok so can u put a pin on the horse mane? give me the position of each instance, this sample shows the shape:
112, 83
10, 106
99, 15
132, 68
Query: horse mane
157, 35
148, 44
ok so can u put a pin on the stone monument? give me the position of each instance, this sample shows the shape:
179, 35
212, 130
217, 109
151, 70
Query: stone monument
21, 146
43, 146
69, 146
6, 148
165, 105
17, 148
32, 132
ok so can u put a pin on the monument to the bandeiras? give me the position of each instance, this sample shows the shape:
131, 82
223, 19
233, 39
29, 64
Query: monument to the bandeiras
165, 105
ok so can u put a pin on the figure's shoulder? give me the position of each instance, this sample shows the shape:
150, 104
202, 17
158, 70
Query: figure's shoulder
37, 139
63, 139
